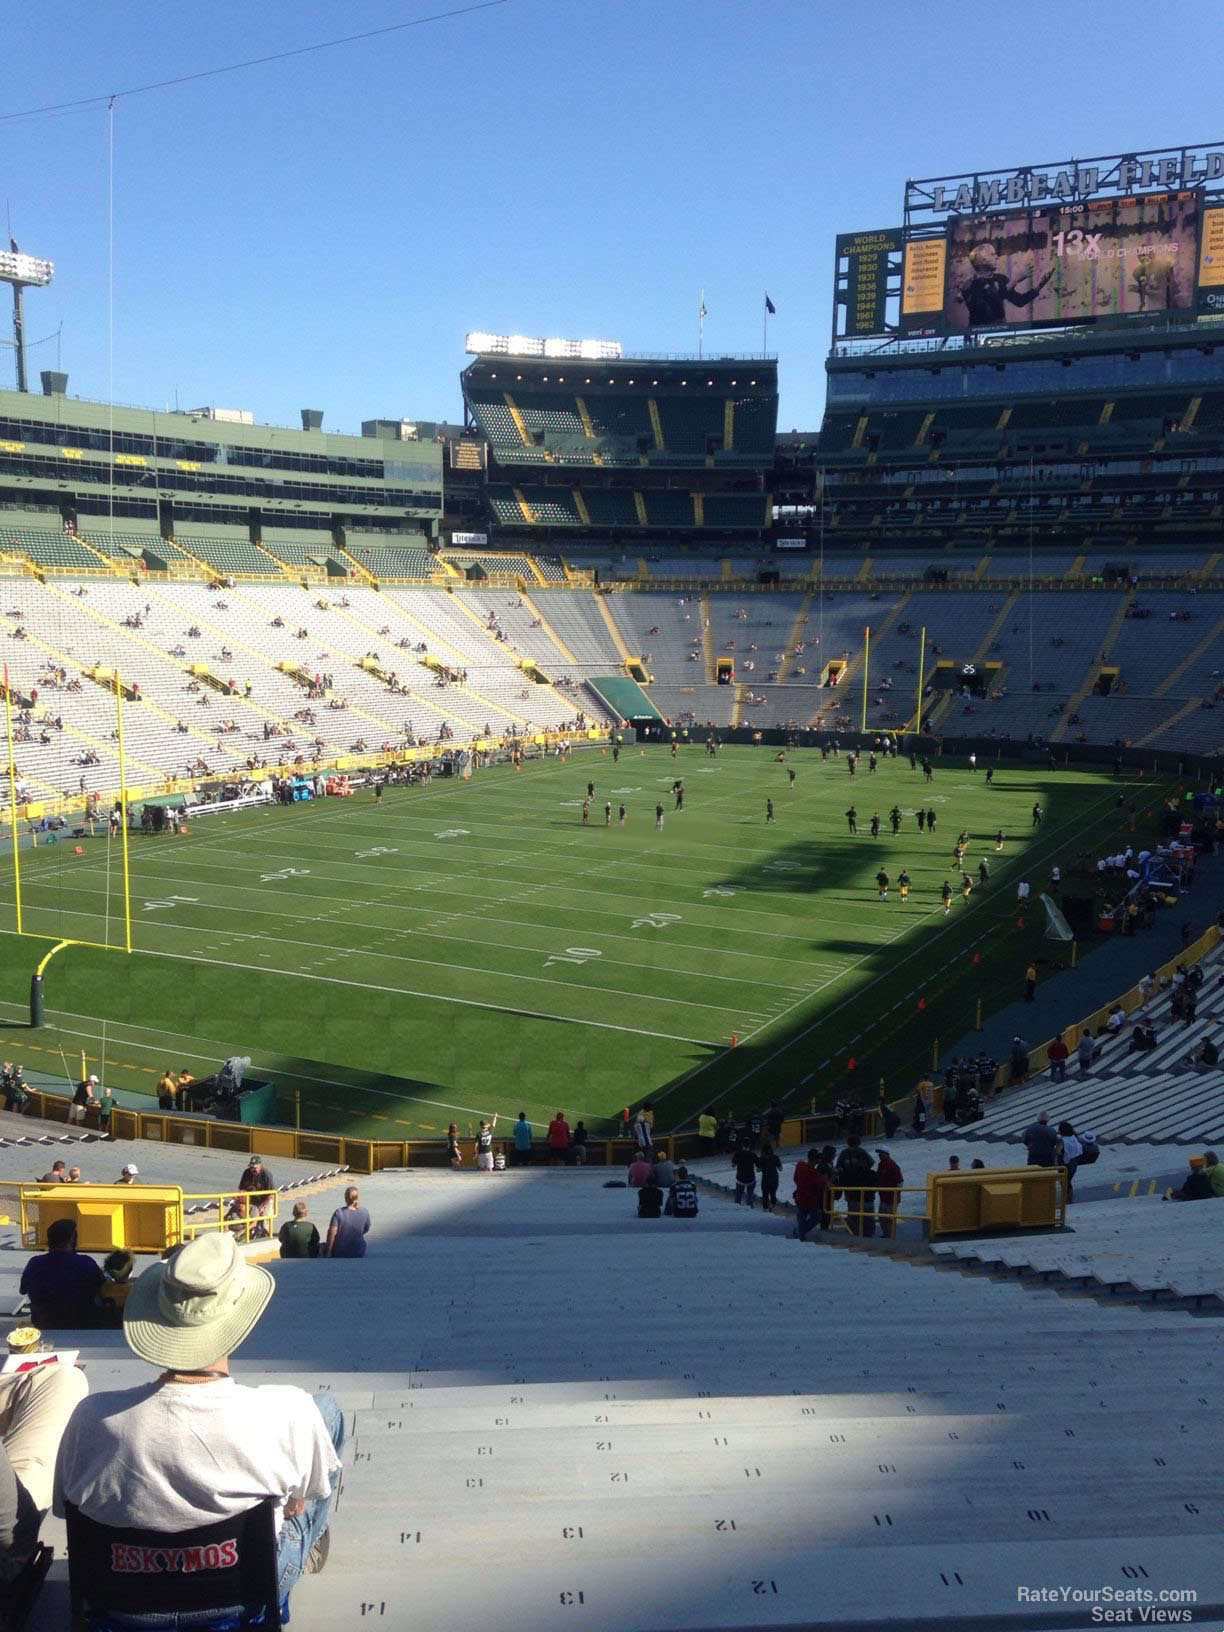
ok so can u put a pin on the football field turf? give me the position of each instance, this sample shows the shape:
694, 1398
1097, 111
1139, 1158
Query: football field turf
471, 947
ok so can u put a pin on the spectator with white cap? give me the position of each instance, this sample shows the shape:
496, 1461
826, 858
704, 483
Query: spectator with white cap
129, 1174
195, 1447
82, 1099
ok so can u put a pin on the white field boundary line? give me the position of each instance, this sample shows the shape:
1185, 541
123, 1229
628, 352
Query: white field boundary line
1045, 849
351, 954
434, 997
114, 1039
408, 908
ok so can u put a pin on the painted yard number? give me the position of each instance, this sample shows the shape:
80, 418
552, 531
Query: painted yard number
169, 901
573, 954
285, 872
378, 850
656, 920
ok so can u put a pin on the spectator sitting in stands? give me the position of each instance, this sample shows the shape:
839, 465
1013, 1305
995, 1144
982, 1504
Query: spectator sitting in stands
299, 1238
255, 1176
118, 1267
62, 1284
135, 1457
665, 1171
1205, 1057
34, 1407
650, 1199
1198, 1185
640, 1170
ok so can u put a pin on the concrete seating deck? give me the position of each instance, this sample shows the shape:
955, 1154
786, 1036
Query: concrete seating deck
616, 1423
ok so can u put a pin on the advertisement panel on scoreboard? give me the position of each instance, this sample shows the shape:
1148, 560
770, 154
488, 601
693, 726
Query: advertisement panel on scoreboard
1211, 262
922, 282
1072, 263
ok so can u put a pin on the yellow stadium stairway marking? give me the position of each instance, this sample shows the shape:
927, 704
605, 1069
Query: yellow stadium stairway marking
1170, 680
435, 640
1174, 719
601, 601
656, 424
520, 424
1115, 627
796, 635
588, 428
548, 629
707, 640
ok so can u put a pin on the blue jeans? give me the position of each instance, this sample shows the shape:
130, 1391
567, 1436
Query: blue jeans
299, 1535
1058, 1070
742, 1190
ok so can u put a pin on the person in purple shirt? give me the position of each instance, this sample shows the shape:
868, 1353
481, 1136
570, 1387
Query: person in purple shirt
349, 1227
62, 1284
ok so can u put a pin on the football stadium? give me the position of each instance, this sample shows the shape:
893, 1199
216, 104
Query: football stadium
597, 801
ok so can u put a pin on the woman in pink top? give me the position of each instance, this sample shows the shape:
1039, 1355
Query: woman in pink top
639, 1171
558, 1137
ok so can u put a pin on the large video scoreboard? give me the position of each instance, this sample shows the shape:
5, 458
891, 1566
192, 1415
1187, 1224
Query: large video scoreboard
1041, 247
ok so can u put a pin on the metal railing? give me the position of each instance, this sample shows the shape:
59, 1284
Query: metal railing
250, 1215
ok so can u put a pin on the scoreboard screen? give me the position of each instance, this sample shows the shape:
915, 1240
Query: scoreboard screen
1074, 262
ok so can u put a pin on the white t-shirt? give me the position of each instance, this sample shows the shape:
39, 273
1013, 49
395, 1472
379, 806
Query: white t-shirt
176, 1455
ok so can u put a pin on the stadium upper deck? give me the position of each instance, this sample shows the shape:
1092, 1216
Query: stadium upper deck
1110, 439
102, 469
639, 444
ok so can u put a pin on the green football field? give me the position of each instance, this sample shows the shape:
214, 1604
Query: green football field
473, 947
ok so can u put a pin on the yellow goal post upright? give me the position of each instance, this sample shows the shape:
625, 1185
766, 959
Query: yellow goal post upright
37, 1013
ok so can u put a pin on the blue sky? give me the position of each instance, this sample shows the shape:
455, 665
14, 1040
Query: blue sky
321, 232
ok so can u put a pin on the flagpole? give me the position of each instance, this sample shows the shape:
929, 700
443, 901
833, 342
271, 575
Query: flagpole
765, 330
701, 325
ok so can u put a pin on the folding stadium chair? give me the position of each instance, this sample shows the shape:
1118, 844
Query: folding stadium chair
115, 1573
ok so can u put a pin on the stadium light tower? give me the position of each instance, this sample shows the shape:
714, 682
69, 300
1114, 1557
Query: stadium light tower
23, 272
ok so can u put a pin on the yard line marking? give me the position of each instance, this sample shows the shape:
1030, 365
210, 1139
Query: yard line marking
437, 929
584, 908
488, 974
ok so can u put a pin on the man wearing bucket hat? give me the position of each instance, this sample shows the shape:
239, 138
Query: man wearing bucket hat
137, 1457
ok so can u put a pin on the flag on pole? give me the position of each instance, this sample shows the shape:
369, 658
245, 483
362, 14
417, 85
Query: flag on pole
770, 307
702, 313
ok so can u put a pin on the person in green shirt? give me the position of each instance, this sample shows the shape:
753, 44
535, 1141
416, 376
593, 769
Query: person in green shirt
299, 1238
1214, 1172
